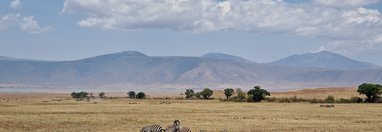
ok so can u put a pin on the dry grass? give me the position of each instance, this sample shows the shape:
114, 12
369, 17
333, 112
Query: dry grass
320, 93
29, 113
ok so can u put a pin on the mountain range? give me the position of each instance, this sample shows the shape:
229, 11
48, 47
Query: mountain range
135, 70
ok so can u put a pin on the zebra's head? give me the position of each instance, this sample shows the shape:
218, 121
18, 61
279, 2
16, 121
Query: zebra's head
177, 124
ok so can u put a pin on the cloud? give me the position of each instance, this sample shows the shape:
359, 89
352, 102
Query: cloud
346, 3
342, 21
25, 23
15, 4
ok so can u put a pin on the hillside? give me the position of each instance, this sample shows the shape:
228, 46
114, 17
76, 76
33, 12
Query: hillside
324, 59
134, 70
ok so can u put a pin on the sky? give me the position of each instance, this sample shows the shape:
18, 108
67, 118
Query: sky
258, 30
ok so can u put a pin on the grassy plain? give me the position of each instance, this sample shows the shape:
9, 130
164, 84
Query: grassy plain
30, 113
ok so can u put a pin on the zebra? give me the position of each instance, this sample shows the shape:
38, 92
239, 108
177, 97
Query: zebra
152, 128
177, 127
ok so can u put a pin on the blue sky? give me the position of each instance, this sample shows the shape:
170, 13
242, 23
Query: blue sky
261, 30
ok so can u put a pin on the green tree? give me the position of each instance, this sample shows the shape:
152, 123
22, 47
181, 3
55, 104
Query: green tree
370, 90
330, 99
189, 93
198, 95
228, 92
131, 94
73, 95
140, 95
101, 94
80, 95
206, 93
258, 94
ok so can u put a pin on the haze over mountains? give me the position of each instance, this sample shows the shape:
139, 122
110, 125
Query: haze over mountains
135, 70
324, 59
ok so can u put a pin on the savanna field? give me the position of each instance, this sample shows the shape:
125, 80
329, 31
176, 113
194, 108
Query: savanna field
43, 112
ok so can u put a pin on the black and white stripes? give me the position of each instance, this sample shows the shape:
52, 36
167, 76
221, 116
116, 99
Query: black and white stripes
152, 128
177, 127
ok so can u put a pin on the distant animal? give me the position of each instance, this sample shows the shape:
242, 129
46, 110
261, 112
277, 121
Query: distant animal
45, 101
327, 106
165, 103
152, 128
177, 127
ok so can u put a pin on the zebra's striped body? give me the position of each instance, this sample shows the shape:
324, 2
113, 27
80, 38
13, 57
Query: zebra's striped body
176, 127
180, 129
152, 128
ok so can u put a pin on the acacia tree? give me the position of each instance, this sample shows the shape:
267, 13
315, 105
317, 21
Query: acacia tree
228, 92
80, 95
131, 94
140, 95
101, 95
371, 91
206, 93
189, 93
258, 94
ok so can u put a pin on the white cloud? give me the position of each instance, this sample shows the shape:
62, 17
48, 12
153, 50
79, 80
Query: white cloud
345, 3
25, 23
342, 21
16, 4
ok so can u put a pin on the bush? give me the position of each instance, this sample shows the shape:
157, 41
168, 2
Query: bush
284, 100
258, 94
101, 95
80, 95
198, 95
343, 100
189, 93
271, 99
241, 97
131, 94
228, 92
140, 95
316, 101
356, 100
330, 99
379, 100
206, 93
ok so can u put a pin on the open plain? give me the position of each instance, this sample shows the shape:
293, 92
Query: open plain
44, 112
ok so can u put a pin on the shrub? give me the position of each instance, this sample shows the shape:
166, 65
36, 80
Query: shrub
330, 99
343, 100
271, 99
101, 95
140, 95
80, 95
131, 94
258, 94
356, 100
372, 91
316, 101
241, 97
206, 93
228, 92
284, 100
189, 93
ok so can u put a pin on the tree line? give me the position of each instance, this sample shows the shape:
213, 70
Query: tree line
257, 94
80, 96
